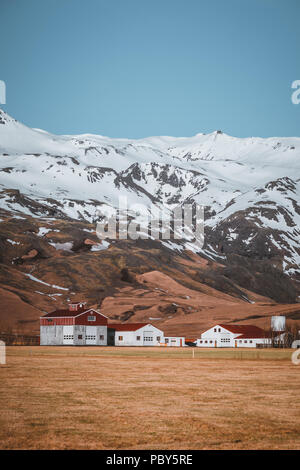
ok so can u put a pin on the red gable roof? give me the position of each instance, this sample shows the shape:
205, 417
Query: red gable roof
126, 326
68, 313
247, 331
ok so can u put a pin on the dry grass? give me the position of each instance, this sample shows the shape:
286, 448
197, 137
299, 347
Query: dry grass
137, 398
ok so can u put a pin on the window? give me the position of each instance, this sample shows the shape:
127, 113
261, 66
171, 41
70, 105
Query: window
101, 337
250, 341
68, 337
205, 341
201, 341
215, 330
148, 338
157, 338
49, 320
166, 340
79, 336
225, 340
219, 330
245, 341
120, 338
210, 341
91, 337
138, 338
91, 318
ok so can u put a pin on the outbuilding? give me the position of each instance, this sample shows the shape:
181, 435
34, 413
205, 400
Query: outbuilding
75, 326
178, 341
134, 334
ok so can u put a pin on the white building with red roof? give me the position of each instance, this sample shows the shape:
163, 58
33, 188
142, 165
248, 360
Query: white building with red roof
234, 336
75, 326
134, 334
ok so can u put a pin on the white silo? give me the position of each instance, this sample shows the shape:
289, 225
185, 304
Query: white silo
278, 323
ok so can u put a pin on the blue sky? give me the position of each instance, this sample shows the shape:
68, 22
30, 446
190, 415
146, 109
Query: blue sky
134, 68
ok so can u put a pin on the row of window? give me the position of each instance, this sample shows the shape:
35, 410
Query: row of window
138, 338
90, 337
225, 340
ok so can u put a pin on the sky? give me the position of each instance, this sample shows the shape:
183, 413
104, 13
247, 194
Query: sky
137, 68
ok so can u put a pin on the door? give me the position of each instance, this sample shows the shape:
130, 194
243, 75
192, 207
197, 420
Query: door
148, 338
68, 334
91, 335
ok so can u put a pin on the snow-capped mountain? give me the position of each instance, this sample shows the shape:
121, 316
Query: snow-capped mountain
250, 187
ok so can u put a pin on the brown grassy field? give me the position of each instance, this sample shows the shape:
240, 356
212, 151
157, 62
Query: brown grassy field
147, 398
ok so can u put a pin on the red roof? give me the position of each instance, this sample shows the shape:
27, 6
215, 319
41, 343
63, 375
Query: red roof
67, 312
126, 326
247, 331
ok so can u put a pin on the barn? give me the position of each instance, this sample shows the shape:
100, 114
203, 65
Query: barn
134, 334
234, 336
75, 326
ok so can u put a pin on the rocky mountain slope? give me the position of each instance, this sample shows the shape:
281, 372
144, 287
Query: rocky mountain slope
51, 189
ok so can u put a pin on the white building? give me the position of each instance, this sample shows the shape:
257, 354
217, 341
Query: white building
178, 341
234, 336
134, 334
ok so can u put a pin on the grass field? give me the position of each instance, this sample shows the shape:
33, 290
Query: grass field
148, 398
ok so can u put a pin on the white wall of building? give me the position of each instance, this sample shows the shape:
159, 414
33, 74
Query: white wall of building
219, 337
51, 335
216, 337
252, 342
148, 335
178, 341
68, 335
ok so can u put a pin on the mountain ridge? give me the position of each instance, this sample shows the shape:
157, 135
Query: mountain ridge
250, 189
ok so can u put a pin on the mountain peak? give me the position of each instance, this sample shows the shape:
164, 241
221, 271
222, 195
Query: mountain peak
5, 118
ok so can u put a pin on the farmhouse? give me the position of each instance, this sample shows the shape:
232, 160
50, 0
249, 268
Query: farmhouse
134, 334
234, 336
76, 325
